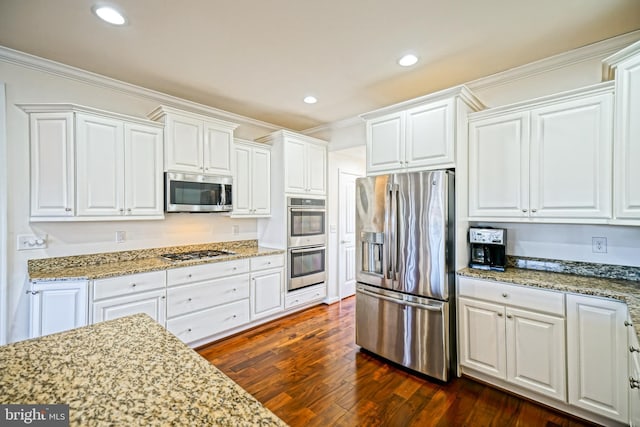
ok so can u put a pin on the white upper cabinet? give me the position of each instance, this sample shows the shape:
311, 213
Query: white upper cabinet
548, 159
52, 164
417, 134
195, 143
251, 179
88, 164
301, 159
625, 65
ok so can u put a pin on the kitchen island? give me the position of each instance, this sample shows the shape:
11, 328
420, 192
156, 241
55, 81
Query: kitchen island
128, 371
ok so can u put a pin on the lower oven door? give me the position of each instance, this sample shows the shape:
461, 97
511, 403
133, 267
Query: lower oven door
306, 267
405, 329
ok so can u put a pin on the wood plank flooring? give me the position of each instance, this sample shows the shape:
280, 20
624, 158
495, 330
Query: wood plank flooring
307, 369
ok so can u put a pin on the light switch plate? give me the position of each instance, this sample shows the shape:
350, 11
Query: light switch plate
28, 242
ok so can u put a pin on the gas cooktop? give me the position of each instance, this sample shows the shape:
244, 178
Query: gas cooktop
195, 255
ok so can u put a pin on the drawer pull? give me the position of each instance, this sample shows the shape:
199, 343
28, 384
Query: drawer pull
32, 292
236, 289
269, 263
189, 276
133, 285
509, 316
627, 323
235, 268
189, 330
189, 300
524, 210
634, 383
504, 295
632, 349
499, 314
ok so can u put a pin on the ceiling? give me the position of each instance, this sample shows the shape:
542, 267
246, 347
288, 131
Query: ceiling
260, 58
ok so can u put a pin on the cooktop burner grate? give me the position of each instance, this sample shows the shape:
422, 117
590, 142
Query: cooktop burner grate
194, 255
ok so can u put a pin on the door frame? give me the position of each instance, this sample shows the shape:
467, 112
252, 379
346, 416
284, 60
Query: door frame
3, 217
341, 171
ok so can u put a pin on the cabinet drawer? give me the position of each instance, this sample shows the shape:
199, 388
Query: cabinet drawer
269, 261
201, 324
126, 285
214, 270
210, 293
520, 296
304, 297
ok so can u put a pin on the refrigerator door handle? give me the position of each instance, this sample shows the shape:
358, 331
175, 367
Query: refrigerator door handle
394, 231
401, 302
388, 235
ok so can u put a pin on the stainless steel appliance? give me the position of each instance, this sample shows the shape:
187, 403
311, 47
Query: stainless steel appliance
488, 248
306, 266
195, 255
197, 193
404, 269
306, 222
306, 240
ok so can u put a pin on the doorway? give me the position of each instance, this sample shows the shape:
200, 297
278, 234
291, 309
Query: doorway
346, 233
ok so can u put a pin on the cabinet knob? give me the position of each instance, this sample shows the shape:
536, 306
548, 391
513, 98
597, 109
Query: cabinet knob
189, 276
129, 210
632, 349
189, 330
163, 297
234, 316
236, 290
67, 209
32, 292
627, 323
534, 210
189, 300
504, 295
133, 285
235, 268
524, 210
499, 314
634, 383
509, 316
121, 210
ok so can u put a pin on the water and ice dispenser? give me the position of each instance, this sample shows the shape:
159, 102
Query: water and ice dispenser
372, 250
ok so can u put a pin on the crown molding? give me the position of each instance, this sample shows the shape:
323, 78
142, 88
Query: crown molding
589, 52
67, 71
610, 63
340, 124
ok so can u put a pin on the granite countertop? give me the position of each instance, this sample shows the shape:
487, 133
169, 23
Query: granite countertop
627, 291
128, 371
99, 266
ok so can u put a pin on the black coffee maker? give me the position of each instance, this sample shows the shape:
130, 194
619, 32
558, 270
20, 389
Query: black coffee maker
488, 248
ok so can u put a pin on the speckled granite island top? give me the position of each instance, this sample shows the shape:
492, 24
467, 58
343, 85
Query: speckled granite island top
99, 266
129, 371
624, 290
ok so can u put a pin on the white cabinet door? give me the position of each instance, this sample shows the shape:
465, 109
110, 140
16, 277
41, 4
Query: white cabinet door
429, 134
627, 140
100, 166
316, 169
52, 164
295, 153
571, 146
218, 147
385, 143
242, 180
57, 307
536, 352
152, 303
482, 337
143, 170
261, 181
267, 293
499, 166
184, 144
634, 374
597, 356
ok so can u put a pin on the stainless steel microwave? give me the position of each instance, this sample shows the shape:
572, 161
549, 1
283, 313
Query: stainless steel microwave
186, 192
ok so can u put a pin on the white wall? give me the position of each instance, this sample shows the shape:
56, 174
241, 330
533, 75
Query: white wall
27, 85
346, 160
3, 218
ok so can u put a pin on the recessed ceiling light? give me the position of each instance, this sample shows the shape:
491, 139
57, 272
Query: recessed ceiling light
109, 14
408, 60
310, 99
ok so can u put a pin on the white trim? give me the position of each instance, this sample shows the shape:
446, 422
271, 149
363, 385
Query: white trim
585, 53
610, 63
4, 283
56, 68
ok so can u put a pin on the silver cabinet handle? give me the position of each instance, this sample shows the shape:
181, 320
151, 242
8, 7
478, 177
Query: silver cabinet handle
634, 383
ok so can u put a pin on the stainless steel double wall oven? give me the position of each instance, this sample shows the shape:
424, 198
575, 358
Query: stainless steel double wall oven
306, 241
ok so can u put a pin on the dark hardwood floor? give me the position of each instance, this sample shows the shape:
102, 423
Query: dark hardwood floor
307, 369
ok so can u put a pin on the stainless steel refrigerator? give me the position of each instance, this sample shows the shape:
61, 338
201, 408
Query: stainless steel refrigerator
404, 269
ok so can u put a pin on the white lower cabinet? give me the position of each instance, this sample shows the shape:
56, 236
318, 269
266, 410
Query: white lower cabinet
634, 378
208, 299
57, 306
267, 286
305, 296
597, 358
506, 333
131, 294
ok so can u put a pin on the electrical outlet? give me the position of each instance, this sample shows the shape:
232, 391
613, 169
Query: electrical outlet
121, 236
599, 245
31, 241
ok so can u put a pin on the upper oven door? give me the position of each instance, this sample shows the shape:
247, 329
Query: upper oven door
306, 227
197, 193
